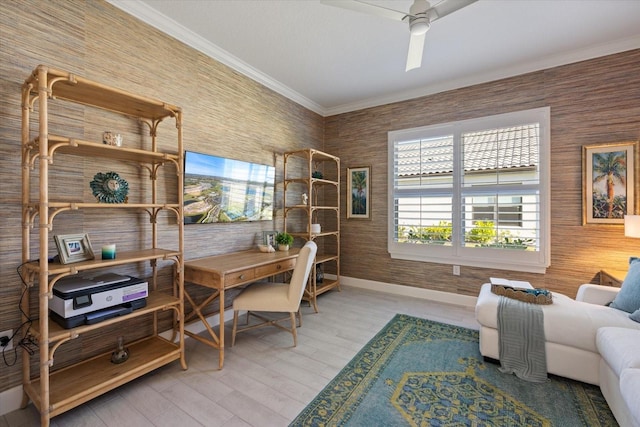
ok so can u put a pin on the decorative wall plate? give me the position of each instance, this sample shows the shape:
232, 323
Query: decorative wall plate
108, 187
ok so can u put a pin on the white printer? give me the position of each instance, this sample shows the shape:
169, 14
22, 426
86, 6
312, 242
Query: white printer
86, 299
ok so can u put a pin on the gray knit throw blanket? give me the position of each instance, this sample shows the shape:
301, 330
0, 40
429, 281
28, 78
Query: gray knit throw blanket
521, 340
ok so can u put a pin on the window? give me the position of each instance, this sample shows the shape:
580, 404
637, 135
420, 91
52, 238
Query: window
473, 192
509, 214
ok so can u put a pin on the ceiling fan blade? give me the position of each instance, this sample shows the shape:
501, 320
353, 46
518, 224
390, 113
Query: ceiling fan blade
363, 7
416, 46
446, 7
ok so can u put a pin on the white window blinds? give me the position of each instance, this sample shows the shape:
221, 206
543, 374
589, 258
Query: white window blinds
459, 190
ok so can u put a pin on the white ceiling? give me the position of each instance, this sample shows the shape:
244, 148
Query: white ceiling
332, 60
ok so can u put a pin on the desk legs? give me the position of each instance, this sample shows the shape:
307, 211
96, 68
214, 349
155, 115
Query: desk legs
221, 342
216, 341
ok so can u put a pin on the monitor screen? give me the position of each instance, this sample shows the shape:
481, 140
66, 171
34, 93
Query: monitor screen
218, 189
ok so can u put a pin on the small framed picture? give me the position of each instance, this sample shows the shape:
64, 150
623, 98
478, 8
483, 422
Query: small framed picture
73, 248
608, 182
359, 192
269, 238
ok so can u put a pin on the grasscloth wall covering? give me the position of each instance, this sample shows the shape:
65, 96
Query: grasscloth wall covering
592, 102
225, 114
229, 115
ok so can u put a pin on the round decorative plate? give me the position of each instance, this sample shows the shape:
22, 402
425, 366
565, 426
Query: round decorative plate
108, 187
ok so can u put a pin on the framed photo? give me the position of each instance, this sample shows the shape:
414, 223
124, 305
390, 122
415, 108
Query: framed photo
608, 182
73, 248
359, 192
269, 238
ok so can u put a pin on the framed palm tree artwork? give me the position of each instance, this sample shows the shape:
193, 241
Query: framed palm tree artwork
609, 173
359, 192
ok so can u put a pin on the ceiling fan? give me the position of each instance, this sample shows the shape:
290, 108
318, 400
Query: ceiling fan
420, 16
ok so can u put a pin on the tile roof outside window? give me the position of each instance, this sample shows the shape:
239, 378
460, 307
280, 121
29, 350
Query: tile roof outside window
505, 148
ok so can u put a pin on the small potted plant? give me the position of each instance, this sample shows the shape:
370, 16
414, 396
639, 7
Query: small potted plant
284, 240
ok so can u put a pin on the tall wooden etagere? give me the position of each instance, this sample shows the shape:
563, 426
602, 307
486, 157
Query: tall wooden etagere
56, 391
312, 197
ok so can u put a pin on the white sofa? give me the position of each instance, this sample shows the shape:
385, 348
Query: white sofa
585, 340
570, 328
620, 372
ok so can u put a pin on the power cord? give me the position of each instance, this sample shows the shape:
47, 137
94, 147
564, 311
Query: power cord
27, 342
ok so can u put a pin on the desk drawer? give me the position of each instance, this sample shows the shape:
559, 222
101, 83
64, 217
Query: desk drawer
271, 269
239, 277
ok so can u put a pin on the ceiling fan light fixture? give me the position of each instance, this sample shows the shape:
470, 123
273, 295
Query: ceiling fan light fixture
419, 26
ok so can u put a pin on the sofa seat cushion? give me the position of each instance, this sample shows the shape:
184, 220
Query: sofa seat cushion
630, 390
567, 321
620, 348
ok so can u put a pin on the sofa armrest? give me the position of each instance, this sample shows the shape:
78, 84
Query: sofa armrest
596, 294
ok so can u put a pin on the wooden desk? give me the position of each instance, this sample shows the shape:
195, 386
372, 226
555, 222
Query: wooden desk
229, 271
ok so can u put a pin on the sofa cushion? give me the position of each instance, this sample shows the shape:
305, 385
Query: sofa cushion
635, 316
628, 299
619, 347
630, 390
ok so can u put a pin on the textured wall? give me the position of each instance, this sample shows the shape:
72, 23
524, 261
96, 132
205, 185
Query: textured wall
591, 102
225, 114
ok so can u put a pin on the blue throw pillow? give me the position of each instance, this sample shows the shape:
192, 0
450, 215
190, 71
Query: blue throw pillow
628, 299
635, 316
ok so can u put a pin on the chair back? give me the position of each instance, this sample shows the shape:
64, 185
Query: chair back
301, 272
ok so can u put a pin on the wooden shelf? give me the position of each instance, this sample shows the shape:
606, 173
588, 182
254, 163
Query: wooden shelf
56, 391
326, 286
70, 87
315, 235
299, 168
155, 301
317, 181
313, 208
122, 258
76, 384
97, 205
79, 147
313, 155
322, 258
321, 288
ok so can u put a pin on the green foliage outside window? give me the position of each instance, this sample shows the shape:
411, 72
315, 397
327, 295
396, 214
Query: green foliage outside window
483, 234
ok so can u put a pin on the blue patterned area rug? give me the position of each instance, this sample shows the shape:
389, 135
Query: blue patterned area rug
416, 372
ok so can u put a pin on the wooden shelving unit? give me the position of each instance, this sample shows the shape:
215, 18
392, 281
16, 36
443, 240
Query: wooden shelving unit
56, 391
322, 207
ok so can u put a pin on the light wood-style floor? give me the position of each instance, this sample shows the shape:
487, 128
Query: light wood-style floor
265, 381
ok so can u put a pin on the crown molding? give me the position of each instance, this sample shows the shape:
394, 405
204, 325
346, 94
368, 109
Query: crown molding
157, 20
596, 51
170, 27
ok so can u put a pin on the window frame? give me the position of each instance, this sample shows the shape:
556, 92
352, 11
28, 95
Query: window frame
506, 259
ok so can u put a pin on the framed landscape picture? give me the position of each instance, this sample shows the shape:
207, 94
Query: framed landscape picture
608, 182
359, 192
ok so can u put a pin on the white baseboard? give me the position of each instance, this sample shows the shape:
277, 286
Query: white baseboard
410, 291
11, 399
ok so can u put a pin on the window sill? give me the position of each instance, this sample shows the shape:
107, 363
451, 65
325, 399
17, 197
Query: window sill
484, 262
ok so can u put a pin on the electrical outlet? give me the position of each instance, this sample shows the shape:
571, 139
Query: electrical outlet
8, 335
456, 270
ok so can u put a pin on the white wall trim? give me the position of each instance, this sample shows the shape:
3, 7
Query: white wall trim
149, 15
410, 291
538, 64
10, 399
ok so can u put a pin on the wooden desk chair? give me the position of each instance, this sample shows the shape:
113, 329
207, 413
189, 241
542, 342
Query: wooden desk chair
276, 297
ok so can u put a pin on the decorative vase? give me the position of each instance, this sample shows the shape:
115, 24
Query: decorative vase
121, 354
283, 247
